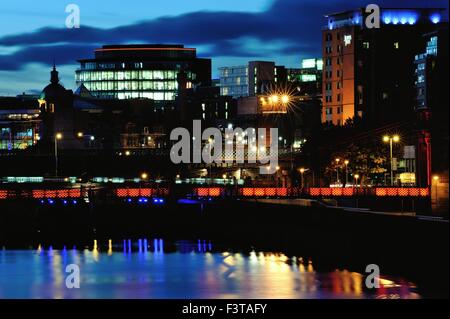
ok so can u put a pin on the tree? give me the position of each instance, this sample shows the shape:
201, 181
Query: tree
366, 160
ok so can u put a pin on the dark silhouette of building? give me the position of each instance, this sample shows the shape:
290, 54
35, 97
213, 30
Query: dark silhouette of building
432, 104
57, 114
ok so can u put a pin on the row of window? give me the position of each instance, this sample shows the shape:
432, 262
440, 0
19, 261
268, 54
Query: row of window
329, 61
128, 75
234, 80
329, 98
329, 49
225, 72
329, 85
234, 90
157, 96
111, 65
131, 85
329, 110
329, 74
329, 36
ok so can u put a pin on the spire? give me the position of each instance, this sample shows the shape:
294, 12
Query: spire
54, 78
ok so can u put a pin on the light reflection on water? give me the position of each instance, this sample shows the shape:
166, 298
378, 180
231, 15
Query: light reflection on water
144, 270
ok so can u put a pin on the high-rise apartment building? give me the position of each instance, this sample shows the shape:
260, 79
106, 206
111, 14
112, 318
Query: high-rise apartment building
366, 71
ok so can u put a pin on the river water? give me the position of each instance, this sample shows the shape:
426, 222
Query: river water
191, 270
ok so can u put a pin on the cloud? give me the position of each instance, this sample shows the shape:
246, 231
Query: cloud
287, 27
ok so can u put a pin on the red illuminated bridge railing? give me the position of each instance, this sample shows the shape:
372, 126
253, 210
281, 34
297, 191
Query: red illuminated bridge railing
40, 193
311, 192
56, 193
277, 192
141, 192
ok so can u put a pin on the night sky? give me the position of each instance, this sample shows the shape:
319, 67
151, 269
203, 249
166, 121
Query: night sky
231, 32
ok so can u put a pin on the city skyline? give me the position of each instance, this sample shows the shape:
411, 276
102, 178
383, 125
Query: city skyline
208, 151
279, 30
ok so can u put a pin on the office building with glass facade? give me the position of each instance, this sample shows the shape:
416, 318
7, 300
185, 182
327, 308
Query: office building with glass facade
250, 80
141, 71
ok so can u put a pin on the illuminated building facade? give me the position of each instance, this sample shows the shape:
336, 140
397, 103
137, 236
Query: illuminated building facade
141, 71
308, 78
365, 73
252, 79
19, 123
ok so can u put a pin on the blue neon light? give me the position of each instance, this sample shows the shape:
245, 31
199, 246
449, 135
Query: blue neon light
402, 17
435, 18
158, 201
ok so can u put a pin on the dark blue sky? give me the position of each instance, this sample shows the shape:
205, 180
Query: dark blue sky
32, 33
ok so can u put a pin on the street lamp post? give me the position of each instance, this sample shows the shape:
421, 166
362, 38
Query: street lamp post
276, 176
58, 136
210, 142
390, 140
302, 172
346, 171
436, 182
337, 170
356, 176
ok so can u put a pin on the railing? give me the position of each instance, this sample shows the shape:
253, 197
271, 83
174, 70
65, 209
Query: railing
141, 192
199, 192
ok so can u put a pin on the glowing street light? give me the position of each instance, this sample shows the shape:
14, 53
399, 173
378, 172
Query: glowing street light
80, 134
144, 176
346, 171
58, 136
302, 172
390, 140
337, 160
275, 98
356, 176
436, 182
285, 99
